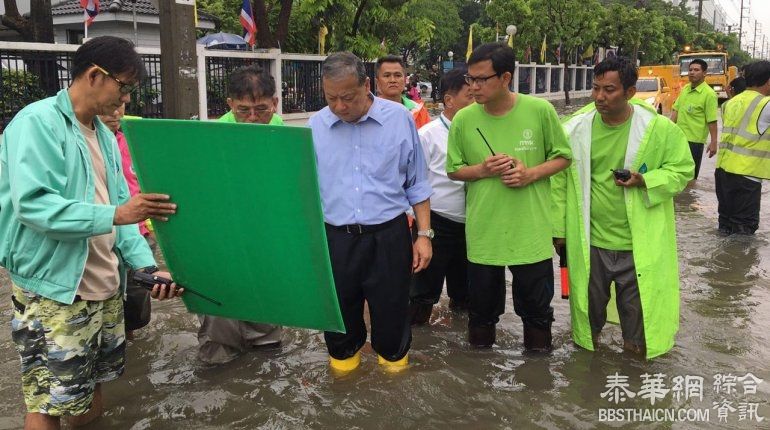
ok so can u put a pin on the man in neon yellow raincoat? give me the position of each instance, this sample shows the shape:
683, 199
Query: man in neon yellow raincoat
622, 230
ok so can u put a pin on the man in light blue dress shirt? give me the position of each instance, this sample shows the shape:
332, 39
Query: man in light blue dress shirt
371, 170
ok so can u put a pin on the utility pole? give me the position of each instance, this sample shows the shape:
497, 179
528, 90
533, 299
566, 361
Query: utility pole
740, 28
754, 49
700, 13
179, 72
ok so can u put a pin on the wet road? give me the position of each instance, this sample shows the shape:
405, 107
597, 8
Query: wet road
725, 330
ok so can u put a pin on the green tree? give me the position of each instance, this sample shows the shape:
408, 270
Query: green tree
271, 16
571, 23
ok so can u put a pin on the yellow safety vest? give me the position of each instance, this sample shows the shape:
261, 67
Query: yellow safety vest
743, 150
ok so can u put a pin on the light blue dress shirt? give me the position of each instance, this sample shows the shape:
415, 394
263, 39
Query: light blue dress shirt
370, 171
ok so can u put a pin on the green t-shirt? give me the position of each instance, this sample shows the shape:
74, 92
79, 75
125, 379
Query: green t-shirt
609, 222
230, 117
695, 108
508, 226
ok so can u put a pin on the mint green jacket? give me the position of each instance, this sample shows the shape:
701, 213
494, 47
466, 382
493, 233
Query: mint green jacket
47, 209
658, 149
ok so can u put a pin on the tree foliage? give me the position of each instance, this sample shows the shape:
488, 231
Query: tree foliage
423, 31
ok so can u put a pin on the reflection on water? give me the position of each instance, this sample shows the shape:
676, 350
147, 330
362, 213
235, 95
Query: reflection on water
725, 315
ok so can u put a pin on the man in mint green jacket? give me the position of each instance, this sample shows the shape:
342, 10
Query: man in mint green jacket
621, 228
68, 228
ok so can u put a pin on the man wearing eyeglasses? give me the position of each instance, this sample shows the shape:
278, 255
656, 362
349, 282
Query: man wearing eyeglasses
71, 225
505, 147
251, 97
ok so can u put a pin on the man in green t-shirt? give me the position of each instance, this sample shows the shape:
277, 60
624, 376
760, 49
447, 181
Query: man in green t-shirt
252, 99
505, 146
695, 112
619, 226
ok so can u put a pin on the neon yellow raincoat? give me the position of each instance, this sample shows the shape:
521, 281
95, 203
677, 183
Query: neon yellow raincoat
658, 149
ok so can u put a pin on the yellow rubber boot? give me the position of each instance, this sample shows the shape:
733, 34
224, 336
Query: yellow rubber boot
393, 366
347, 364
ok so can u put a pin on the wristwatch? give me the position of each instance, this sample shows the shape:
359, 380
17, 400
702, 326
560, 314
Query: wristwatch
149, 269
427, 233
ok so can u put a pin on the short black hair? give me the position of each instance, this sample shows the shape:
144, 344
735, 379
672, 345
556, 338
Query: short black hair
250, 82
757, 73
502, 56
738, 85
453, 81
114, 54
388, 59
625, 67
703, 65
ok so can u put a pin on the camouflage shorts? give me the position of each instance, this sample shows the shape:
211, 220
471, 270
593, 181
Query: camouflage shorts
66, 349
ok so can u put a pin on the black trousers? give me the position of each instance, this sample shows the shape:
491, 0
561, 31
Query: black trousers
376, 267
449, 262
696, 149
532, 293
739, 201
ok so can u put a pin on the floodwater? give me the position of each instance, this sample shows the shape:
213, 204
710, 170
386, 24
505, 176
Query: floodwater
724, 333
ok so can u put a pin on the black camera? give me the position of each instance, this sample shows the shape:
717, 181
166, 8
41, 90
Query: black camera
621, 174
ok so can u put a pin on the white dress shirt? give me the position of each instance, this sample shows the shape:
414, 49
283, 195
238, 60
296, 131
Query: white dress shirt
448, 199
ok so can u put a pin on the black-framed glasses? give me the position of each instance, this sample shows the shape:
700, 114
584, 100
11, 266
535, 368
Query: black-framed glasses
125, 88
481, 80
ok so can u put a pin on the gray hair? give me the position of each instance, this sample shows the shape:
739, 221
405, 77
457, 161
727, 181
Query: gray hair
341, 65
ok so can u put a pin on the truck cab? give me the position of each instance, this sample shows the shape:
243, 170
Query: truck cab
656, 91
718, 73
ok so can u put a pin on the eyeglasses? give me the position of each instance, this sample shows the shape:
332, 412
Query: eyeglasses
481, 80
124, 87
256, 110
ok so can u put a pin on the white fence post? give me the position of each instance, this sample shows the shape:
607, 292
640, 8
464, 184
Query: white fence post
203, 100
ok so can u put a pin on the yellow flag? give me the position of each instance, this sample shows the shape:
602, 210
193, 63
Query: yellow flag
322, 32
510, 40
542, 50
470, 44
195, 12
589, 53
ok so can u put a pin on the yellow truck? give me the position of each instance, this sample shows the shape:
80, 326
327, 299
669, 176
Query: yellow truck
656, 91
718, 73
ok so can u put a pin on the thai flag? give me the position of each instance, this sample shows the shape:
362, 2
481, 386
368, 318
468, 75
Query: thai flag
247, 21
90, 10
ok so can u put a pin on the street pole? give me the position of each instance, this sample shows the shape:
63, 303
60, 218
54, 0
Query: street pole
740, 28
700, 13
179, 59
754, 49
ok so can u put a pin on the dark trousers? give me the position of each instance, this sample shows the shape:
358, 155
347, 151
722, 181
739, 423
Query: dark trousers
449, 262
739, 201
376, 267
532, 293
696, 149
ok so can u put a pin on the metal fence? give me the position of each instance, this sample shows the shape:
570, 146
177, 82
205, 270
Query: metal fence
33, 71
218, 71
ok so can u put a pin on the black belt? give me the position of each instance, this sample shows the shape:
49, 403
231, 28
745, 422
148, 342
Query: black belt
365, 229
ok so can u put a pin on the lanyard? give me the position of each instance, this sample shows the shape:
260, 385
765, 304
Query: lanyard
441, 117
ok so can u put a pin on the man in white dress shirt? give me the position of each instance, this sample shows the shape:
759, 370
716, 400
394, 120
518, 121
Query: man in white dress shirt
447, 211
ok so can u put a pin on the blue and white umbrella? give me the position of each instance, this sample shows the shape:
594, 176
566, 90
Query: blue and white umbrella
223, 41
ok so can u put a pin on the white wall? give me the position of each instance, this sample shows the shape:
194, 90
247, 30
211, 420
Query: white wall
149, 35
